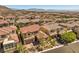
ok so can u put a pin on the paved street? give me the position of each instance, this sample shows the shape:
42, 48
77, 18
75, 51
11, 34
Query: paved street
71, 48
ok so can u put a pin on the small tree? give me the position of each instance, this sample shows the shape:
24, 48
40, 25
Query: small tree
43, 44
20, 48
47, 43
51, 40
68, 37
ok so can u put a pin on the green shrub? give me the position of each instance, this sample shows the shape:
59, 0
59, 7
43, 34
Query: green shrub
20, 48
68, 37
51, 40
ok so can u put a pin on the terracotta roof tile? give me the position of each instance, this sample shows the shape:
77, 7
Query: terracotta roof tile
9, 29
3, 22
3, 32
6, 30
10, 16
14, 37
31, 28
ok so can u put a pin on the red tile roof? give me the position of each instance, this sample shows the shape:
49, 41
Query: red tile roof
31, 28
9, 29
6, 30
14, 37
13, 27
10, 16
3, 22
2, 32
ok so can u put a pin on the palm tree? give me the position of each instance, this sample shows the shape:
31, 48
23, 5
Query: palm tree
19, 33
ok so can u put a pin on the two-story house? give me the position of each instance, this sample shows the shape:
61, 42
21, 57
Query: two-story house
10, 18
51, 28
8, 38
29, 32
69, 25
4, 23
22, 20
9, 44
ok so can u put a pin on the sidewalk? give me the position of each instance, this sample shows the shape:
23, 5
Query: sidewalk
70, 48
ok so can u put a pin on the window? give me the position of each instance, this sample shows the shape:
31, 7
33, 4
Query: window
61, 28
1, 18
3, 36
14, 44
52, 30
13, 31
32, 33
28, 34
1, 26
5, 24
25, 35
0, 45
10, 45
35, 32
6, 46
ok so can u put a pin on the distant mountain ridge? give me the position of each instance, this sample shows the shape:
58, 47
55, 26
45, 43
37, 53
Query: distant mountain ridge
50, 10
6, 10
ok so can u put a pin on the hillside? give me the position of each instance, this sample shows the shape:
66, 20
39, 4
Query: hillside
40, 12
5, 10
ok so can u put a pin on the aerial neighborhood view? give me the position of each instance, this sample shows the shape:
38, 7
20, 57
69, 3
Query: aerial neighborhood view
39, 29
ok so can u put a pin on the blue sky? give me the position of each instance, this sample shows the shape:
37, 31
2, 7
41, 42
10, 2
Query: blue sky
55, 7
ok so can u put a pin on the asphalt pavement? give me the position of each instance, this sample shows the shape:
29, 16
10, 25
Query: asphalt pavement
71, 48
